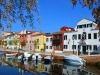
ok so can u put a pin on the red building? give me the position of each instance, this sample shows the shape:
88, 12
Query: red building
23, 36
58, 38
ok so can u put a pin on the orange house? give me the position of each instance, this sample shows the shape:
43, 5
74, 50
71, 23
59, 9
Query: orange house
22, 38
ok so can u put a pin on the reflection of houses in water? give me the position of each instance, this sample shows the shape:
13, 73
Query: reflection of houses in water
56, 69
47, 68
39, 66
70, 70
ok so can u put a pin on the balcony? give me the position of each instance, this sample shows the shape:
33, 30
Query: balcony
83, 42
57, 40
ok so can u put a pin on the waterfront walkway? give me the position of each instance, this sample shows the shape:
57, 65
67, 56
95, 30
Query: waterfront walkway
88, 58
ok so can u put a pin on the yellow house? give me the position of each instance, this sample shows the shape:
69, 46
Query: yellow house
41, 38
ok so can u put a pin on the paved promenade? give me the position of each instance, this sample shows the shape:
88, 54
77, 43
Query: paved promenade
46, 53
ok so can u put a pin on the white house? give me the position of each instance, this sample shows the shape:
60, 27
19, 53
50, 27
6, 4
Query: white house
85, 38
49, 47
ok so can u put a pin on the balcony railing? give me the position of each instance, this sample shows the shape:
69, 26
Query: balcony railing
83, 41
57, 40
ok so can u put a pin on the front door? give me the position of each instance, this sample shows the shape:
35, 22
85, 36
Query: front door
84, 49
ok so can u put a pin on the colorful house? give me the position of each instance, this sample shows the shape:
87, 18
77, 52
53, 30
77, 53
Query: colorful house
17, 40
29, 42
41, 39
49, 47
34, 39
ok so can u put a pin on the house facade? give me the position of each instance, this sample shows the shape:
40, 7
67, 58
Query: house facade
41, 38
34, 35
16, 41
57, 41
84, 39
10, 41
49, 46
29, 42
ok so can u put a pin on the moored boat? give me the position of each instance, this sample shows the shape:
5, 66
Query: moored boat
24, 57
75, 60
37, 56
48, 58
12, 55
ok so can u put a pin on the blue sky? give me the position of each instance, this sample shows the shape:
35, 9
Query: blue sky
56, 14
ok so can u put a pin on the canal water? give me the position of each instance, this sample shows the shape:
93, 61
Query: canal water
13, 66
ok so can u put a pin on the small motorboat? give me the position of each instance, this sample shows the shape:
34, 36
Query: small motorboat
24, 56
37, 56
12, 55
75, 60
48, 59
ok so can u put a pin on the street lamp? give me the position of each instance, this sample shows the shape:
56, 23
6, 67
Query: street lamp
68, 43
73, 44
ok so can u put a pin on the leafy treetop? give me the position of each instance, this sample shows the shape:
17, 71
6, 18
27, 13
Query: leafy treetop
23, 10
93, 5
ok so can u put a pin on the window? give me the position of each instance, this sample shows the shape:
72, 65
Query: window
26, 41
80, 26
55, 36
37, 40
9, 37
89, 25
89, 36
65, 37
47, 39
46, 47
89, 47
65, 46
95, 35
30, 41
94, 47
79, 36
50, 47
75, 37
84, 26
73, 46
79, 46
38, 47
50, 39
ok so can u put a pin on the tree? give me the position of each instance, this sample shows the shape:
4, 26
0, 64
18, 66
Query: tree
5, 43
23, 43
10, 42
12, 10
36, 42
15, 42
93, 5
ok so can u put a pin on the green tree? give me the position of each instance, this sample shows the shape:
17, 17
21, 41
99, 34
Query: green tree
35, 42
93, 5
16, 42
10, 42
23, 43
13, 10
5, 43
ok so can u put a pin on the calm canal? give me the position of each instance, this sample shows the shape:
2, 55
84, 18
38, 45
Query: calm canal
12, 66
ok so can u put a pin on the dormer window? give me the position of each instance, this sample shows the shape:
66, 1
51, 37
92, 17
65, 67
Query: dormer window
84, 26
89, 25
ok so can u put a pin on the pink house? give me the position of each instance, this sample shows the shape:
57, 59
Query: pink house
30, 39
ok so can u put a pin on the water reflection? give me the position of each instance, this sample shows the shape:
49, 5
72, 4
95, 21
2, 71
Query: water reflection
52, 68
